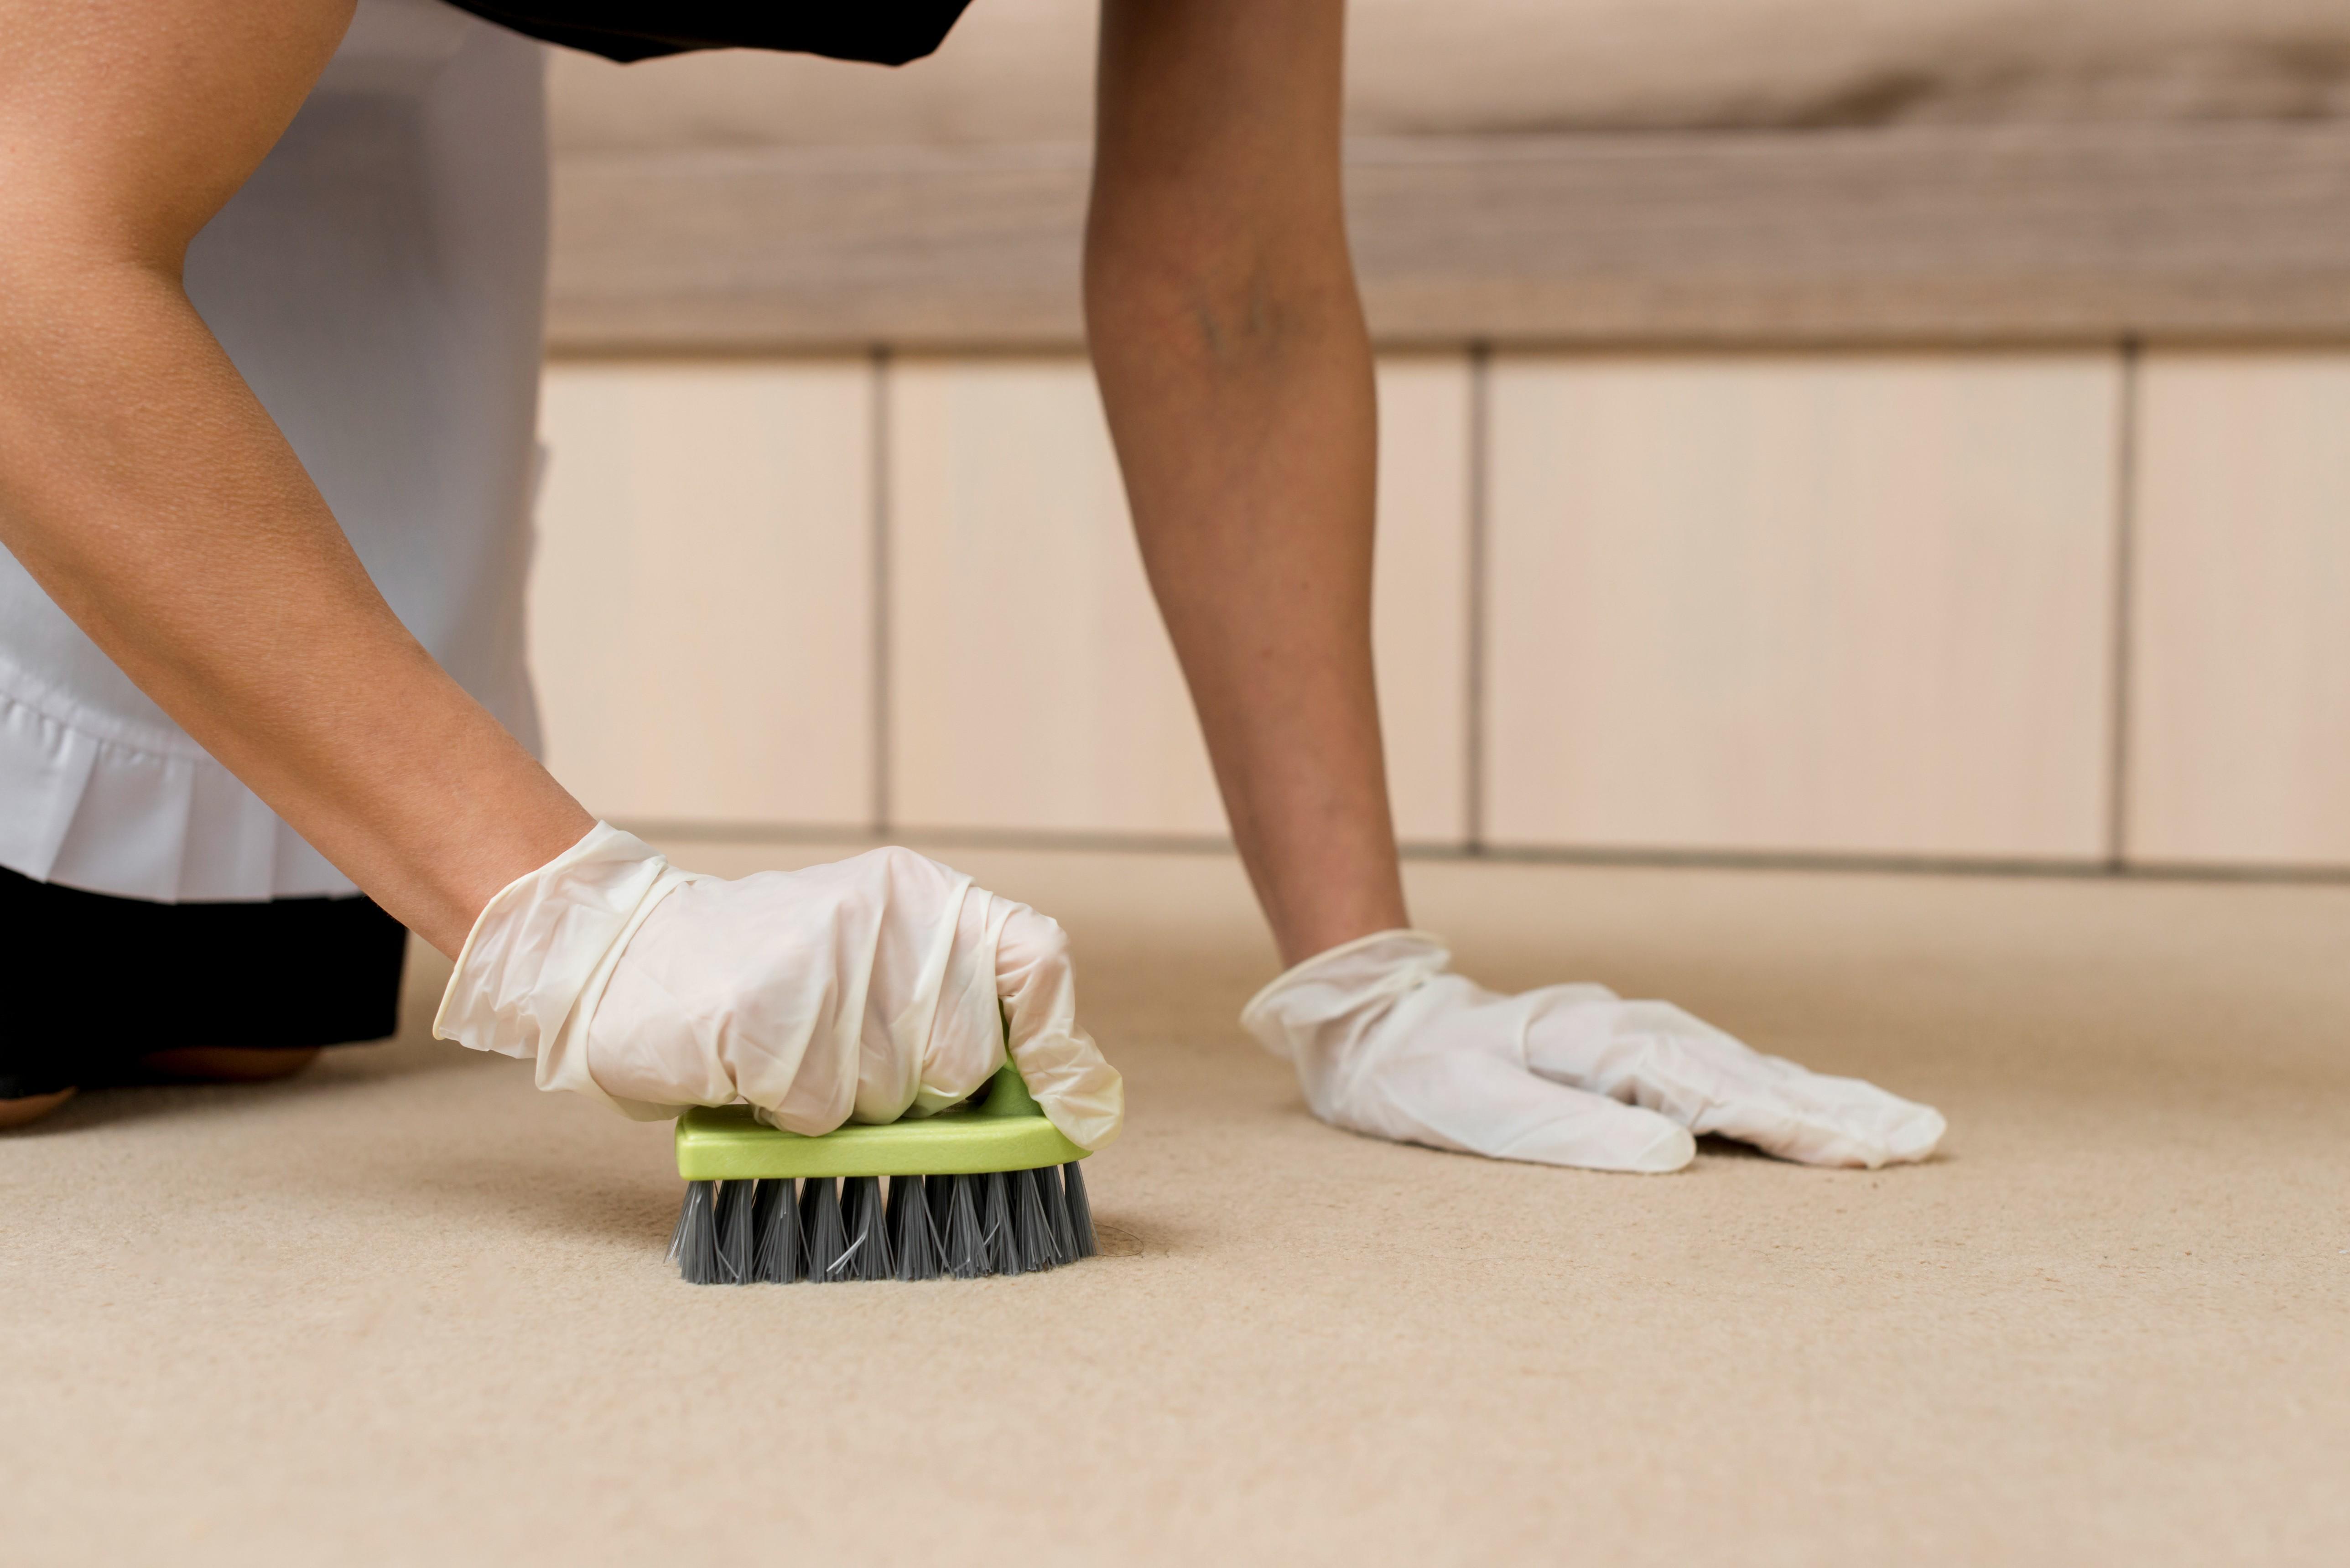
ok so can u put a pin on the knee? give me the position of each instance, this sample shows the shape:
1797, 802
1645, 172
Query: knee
228, 1064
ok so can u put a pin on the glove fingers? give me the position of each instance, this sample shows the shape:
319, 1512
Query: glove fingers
1076, 1088
1823, 1120
1654, 1054
1485, 1104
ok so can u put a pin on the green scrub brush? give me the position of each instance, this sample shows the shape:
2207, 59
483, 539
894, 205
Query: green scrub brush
988, 1188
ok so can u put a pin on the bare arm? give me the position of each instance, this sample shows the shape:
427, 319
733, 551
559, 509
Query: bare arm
1236, 373
147, 490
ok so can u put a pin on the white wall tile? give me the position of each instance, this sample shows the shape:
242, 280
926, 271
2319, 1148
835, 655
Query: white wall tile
702, 598
2240, 680
1032, 684
1813, 604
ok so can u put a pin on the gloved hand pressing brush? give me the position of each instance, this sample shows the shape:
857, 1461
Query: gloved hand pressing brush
882, 986
1386, 1042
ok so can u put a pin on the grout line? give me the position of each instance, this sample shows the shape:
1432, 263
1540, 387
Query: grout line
878, 480
1472, 760
1080, 841
2117, 761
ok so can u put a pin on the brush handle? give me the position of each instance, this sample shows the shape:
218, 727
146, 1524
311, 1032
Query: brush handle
1007, 1095
1004, 1131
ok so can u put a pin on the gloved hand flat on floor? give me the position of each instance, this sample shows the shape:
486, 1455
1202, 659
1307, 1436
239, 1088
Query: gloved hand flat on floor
881, 986
1387, 1042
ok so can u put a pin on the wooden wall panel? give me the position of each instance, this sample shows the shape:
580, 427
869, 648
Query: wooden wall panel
1032, 686
1898, 234
2240, 711
1420, 608
1808, 604
702, 598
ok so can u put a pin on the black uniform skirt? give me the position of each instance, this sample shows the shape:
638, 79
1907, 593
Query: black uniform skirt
101, 982
886, 32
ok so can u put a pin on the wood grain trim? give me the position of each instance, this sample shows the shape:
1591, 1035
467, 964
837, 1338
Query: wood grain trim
2209, 231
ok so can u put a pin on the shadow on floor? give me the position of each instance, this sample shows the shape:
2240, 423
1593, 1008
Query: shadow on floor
129, 1095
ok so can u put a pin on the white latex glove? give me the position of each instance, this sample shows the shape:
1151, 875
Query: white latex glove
876, 988
1387, 1042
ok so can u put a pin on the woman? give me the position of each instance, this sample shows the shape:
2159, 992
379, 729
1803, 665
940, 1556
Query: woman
148, 493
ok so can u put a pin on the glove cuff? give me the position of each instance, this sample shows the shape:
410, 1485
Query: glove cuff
1340, 980
541, 950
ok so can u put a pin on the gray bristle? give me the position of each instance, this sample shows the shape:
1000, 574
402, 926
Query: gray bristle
966, 1244
963, 1227
1081, 1213
893, 1208
694, 1246
940, 1189
910, 1231
867, 1253
1032, 1228
776, 1228
734, 1232
821, 1232
1056, 1209
1002, 1248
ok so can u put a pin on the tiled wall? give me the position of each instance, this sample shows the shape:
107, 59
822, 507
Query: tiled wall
1999, 607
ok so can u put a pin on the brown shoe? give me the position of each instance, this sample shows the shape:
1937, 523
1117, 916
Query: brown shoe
15, 1113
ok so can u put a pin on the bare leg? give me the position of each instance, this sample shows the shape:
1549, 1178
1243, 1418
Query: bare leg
1236, 373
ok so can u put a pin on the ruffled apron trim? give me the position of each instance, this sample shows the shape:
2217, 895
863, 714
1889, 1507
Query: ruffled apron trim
109, 815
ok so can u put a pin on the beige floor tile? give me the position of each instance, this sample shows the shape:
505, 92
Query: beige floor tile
701, 604
1032, 686
1816, 604
2240, 681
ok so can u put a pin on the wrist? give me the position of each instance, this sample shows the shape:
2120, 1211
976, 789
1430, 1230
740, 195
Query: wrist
530, 971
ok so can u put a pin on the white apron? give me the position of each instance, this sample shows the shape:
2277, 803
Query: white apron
379, 282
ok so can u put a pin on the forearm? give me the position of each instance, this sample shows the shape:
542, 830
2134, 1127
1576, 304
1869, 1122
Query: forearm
147, 490
1236, 373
